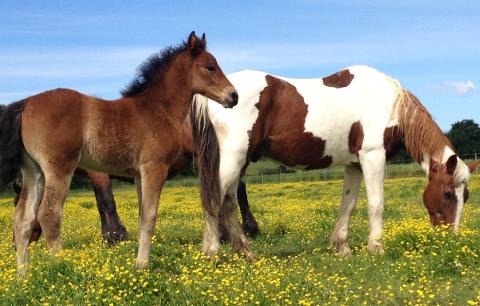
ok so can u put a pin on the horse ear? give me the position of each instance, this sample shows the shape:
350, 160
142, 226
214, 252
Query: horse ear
473, 165
434, 166
203, 41
451, 164
192, 41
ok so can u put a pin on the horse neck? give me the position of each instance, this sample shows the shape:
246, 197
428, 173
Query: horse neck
170, 93
423, 138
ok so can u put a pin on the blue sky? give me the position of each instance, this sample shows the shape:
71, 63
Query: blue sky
432, 47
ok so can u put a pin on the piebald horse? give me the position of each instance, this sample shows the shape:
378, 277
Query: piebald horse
48, 135
357, 117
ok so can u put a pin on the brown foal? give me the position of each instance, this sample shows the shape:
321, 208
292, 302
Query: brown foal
138, 135
111, 226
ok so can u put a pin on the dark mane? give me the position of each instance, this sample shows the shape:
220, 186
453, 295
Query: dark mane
154, 65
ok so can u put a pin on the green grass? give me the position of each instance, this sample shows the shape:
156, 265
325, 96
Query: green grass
295, 266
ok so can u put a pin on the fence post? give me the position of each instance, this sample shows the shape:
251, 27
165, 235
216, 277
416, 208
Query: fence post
476, 156
262, 176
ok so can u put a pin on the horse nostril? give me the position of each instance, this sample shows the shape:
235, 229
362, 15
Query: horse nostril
234, 96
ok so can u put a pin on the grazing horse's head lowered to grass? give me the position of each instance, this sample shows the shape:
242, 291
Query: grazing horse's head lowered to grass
447, 192
448, 175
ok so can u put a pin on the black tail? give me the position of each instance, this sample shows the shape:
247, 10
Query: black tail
10, 142
207, 152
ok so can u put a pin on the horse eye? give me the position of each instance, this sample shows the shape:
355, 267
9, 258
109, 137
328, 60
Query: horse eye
448, 195
210, 68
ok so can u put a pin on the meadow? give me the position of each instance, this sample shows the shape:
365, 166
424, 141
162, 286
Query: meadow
420, 266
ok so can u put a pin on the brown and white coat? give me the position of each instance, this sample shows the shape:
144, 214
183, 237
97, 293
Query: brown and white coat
358, 118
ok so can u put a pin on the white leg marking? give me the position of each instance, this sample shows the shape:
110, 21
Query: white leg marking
26, 210
373, 167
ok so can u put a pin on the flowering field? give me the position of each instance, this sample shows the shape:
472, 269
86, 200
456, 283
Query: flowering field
295, 266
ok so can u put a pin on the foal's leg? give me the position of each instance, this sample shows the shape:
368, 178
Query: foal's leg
138, 189
112, 228
37, 230
229, 214
249, 224
373, 167
26, 210
57, 183
153, 177
351, 187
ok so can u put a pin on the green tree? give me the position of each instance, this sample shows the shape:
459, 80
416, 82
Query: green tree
465, 136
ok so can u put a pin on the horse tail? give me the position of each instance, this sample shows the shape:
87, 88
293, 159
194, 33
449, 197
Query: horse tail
207, 154
11, 144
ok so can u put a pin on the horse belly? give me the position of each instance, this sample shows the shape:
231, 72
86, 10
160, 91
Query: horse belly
299, 150
306, 151
110, 155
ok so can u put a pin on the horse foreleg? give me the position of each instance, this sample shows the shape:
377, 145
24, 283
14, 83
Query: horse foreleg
249, 224
229, 214
351, 187
153, 177
373, 167
211, 235
112, 228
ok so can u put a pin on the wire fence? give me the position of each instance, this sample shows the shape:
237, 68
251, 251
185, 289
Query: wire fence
279, 174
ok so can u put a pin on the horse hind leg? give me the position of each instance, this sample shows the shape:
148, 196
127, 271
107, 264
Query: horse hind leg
249, 224
37, 230
57, 183
25, 218
112, 228
351, 187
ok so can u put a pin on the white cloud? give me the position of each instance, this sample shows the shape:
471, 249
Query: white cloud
461, 88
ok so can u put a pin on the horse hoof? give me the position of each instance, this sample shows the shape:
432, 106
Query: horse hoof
376, 249
250, 256
212, 253
343, 250
22, 272
114, 237
250, 229
141, 264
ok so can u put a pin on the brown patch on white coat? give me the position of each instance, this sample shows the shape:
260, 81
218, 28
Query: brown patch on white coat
339, 79
355, 138
279, 131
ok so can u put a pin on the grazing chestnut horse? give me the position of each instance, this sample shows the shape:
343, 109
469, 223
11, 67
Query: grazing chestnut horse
357, 117
49, 135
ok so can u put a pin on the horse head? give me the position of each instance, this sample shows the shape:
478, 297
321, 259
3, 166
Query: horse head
447, 192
